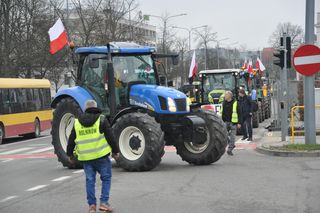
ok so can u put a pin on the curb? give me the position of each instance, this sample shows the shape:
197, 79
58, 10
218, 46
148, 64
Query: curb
278, 153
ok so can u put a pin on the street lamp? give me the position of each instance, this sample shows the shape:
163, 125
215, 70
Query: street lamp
229, 46
189, 31
218, 43
165, 19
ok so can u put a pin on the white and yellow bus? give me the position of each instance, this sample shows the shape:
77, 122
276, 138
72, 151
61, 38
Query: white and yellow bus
24, 107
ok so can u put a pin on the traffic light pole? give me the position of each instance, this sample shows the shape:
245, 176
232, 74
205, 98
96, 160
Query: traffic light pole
308, 82
284, 94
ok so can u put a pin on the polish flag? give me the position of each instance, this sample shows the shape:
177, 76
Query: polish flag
250, 67
245, 65
260, 65
58, 37
193, 67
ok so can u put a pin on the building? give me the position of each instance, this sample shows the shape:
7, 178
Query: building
127, 30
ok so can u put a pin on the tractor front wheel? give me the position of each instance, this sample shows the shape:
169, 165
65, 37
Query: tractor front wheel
140, 140
210, 151
63, 119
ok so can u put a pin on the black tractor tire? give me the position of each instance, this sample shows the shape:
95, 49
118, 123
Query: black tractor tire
215, 146
260, 113
144, 154
255, 120
65, 108
1, 134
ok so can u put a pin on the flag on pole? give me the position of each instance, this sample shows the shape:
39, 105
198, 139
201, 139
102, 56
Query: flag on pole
245, 65
58, 37
250, 67
193, 68
260, 65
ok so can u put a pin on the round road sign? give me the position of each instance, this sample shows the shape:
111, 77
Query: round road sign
306, 59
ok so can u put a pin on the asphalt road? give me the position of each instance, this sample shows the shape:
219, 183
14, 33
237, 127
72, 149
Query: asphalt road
33, 181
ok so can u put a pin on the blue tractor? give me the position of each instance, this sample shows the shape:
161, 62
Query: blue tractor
145, 117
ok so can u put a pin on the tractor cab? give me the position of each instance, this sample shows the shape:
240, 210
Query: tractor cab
216, 82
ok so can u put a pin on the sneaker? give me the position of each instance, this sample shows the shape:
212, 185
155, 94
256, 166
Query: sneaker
249, 139
229, 153
243, 138
105, 207
92, 209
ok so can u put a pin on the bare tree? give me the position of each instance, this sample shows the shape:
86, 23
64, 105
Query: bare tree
294, 31
205, 36
182, 45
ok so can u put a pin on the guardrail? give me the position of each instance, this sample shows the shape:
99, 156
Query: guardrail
292, 120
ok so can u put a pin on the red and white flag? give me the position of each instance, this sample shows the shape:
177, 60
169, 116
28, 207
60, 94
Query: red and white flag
58, 37
245, 65
193, 67
259, 65
250, 67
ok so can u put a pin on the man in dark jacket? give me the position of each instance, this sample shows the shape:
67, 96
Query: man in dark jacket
231, 115
93, 141
246, 112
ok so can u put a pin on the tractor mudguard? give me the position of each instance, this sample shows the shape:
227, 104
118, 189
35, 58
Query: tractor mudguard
79, 94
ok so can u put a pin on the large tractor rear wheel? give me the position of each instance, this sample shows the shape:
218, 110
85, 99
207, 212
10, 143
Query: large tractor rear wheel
63, 119
140, 140
255, 119
212, 150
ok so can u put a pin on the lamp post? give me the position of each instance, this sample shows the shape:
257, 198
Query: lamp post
165, 19
229, 56
218, 43
190, 31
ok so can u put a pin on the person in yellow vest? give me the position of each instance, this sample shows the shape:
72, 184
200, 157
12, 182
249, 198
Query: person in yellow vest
231, 115
92, 140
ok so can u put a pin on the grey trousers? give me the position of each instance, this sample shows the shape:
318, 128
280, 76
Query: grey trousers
232, 131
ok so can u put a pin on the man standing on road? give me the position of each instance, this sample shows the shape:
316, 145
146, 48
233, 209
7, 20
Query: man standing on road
93, 139
232, 117
246, 113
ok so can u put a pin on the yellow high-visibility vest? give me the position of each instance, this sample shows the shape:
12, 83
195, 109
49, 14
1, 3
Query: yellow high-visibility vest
234, 117
90, 143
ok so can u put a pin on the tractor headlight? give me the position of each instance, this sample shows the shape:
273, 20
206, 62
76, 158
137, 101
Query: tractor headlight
171, 105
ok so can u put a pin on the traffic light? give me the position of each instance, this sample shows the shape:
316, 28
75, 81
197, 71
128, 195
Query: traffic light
280, 55
280, 61
288, 48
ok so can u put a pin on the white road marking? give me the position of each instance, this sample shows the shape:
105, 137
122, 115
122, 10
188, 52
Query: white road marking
7, 160
15, 151
25, 141
8, 198
40, 150
36, 188
77, 172
312, 59
242, 142
61, 178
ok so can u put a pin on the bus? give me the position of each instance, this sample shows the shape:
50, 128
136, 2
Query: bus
24, 107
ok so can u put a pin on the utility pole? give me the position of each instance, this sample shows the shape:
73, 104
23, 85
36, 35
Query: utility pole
284, 93
218, 46
165, 19
308, 81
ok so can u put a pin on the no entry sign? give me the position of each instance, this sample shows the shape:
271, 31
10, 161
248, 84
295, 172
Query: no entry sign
306, 59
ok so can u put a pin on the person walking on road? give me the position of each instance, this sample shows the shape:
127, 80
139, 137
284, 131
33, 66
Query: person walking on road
246, 113
93, 142
231, 115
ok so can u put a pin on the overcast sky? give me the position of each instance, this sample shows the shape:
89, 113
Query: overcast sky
248, 22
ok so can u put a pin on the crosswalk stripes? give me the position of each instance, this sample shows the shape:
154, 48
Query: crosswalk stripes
15, 151
40, 150
26, 153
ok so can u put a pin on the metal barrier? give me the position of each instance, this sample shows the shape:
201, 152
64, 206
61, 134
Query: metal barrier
292, 120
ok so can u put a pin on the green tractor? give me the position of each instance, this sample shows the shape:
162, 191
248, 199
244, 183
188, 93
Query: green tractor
123, 79
214, 83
